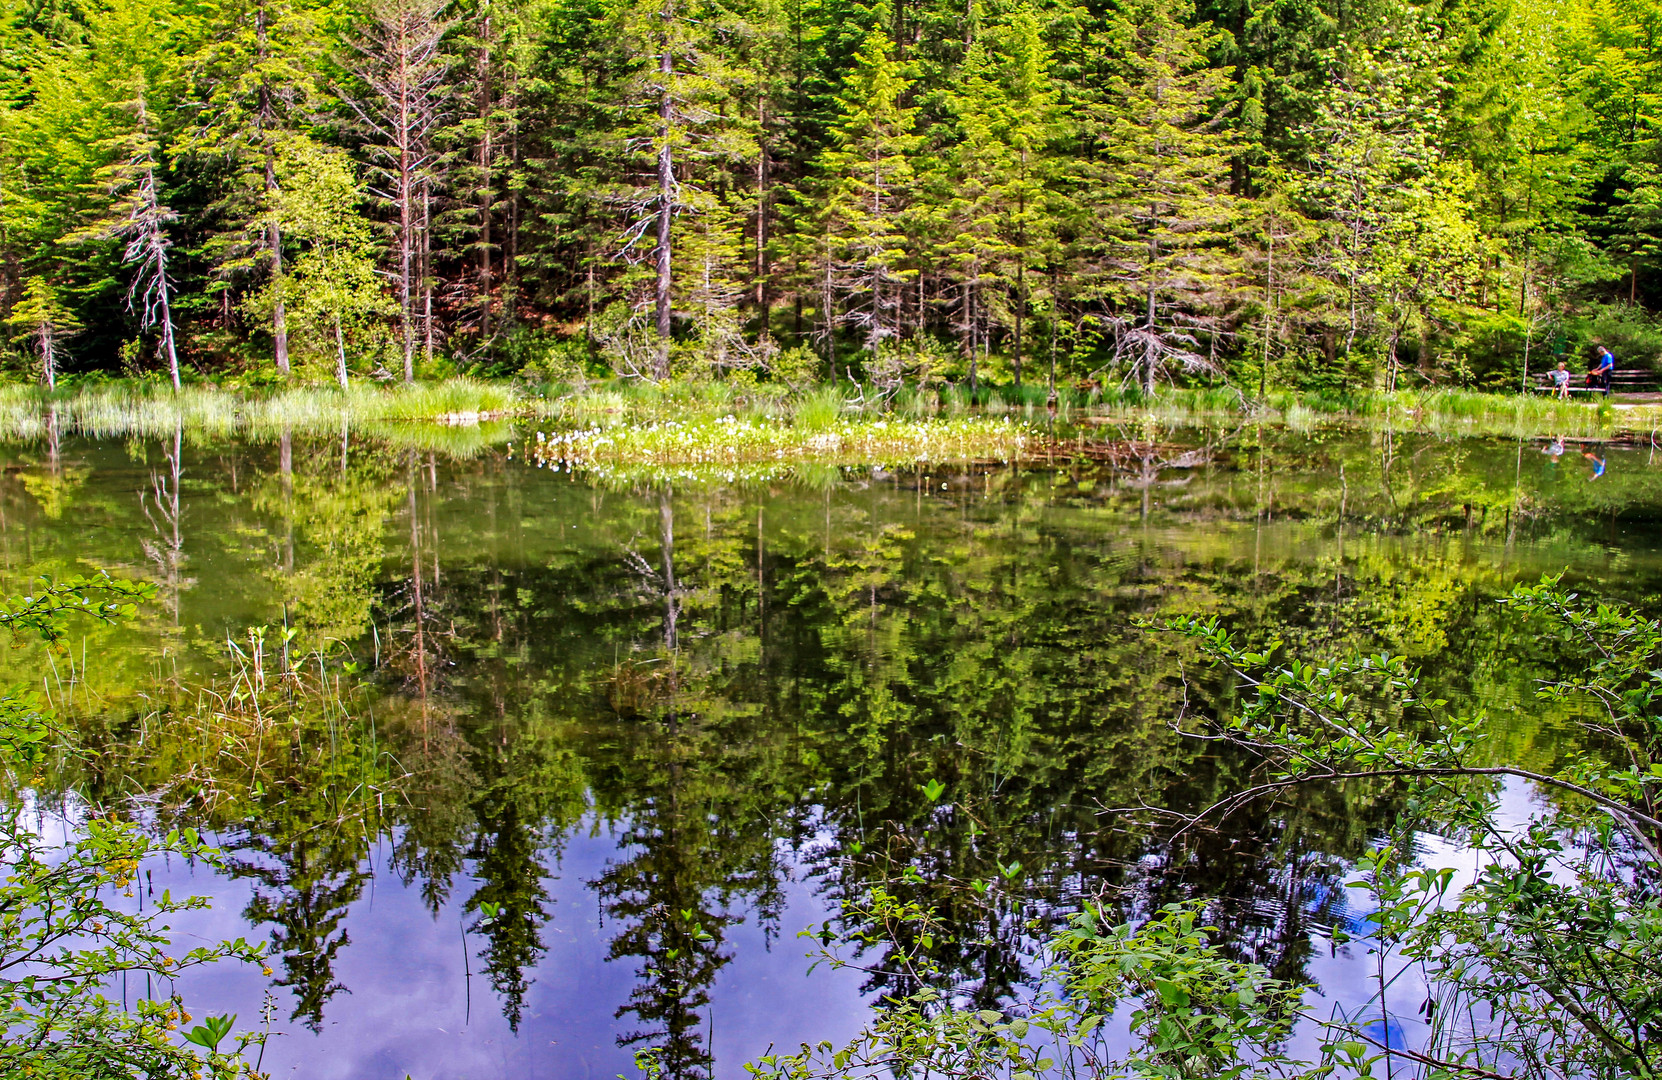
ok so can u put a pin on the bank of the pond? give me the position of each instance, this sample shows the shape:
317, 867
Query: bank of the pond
120, 410
127, 409
1450, 412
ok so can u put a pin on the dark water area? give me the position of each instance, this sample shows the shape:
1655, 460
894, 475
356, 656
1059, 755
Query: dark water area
611, 748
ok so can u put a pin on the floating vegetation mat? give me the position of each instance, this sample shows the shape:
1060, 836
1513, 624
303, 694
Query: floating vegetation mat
732, 449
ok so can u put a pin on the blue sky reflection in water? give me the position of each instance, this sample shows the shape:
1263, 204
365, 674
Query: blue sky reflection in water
411, 1004
659, 728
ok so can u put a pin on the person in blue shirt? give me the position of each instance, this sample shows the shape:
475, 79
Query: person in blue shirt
1603, 365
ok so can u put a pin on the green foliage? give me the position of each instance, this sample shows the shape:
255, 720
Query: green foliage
70, 938
332, 293
1557, 935
699, 191
67, 937
1193, 1010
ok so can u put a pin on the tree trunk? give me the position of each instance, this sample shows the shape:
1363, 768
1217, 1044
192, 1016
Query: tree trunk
166, 306
1391, 359
340, 353
426, 268
1269, 312
486, 150
48, 356
274, 233
1021, 307
510, 259
762, 213
404, 120
1150, 349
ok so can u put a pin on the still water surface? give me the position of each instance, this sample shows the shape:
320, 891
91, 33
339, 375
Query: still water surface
616, 744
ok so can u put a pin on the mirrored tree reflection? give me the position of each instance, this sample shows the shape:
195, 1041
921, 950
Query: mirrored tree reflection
938, 681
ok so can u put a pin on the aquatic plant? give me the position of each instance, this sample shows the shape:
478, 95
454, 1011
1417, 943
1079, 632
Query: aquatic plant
728, 443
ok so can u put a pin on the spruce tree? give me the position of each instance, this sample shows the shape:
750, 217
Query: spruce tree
1007, 189
675, 139
259, 79
1158, 248
976, 241
868, 179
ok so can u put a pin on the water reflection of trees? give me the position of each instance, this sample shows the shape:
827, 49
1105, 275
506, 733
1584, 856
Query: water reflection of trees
743, 684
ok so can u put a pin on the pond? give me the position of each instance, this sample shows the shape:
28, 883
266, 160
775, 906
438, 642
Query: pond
586, 756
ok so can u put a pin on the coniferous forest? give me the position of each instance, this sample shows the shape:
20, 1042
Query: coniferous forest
1310, 194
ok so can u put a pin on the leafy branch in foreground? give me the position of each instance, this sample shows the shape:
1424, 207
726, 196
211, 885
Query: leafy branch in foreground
67, 939
1556, 941
1542, 962
1192, 1010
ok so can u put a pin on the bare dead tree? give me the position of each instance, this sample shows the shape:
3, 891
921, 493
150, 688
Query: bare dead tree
401, 68
140, 218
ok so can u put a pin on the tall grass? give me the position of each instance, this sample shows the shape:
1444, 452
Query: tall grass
120, 410
819, 410
1451, 412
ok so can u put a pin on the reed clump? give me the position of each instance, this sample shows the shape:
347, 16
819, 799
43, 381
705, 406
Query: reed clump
212, 749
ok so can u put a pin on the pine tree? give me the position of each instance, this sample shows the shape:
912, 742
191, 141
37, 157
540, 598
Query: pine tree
677, 140
1031, 191
1278, 245
495, 50
1160, 253
1006, 180
976, 244
868, 179
41, 320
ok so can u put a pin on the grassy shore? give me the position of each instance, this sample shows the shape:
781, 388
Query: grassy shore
675, 424
119, 410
